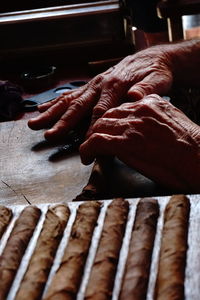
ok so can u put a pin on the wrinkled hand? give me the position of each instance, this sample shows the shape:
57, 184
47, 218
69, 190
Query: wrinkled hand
134, 77
153, 137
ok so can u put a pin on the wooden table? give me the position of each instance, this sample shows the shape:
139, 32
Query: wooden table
27, 175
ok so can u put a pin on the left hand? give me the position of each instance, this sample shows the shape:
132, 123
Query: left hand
153, 137
145, 72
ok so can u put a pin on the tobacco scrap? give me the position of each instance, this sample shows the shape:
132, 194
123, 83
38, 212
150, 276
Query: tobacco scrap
5, 217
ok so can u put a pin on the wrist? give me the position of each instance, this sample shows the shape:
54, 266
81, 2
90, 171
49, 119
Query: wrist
184, 58
192, 161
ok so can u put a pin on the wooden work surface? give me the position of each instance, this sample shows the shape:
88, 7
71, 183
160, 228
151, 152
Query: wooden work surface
28, 176
27, 173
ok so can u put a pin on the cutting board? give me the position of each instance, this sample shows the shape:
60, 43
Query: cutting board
27, 174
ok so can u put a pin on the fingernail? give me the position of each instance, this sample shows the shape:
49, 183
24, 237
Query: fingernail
86, 160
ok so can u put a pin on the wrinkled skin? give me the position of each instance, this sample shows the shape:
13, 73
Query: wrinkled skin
134, 77
152, 136
147, 133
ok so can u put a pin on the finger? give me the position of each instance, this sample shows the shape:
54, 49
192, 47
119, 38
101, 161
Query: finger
48, 117
68, 96
109, 98
110, 126
98, 144
113, 113
154, 83
77, 91
43, 107
77, 110
121, 111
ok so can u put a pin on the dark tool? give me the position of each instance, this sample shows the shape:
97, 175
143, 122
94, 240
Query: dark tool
74, 139
31, 104
72, 145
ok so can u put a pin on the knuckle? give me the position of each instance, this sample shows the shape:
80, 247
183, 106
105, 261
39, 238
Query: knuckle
110, 81
143, 108
124, 106
116, 85
98, 123
147, 108
62, 123
62, 102
94, 138
68, 96
97, 80
99, 110
145, 88
113, 111
153, 98
76, 104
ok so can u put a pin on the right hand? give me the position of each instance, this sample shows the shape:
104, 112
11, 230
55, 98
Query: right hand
151, 136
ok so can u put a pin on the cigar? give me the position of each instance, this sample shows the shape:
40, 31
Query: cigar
101, 282
35, 278
66, 282
138, 263
172, 261
16, 246
98, 184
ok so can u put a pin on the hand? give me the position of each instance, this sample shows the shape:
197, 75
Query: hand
134, 77
153, 137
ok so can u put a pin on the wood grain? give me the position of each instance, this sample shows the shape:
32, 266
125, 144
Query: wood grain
28, 175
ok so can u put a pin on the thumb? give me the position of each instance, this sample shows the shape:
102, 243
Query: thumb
136, 92
154, 83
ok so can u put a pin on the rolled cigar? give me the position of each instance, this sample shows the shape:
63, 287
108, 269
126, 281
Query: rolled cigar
5, 217
171, 270
41, 261
135, 281
66, 282
16, 246
98, 183
103, 272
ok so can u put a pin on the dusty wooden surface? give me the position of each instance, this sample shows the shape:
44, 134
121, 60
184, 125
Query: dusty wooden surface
26, 174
